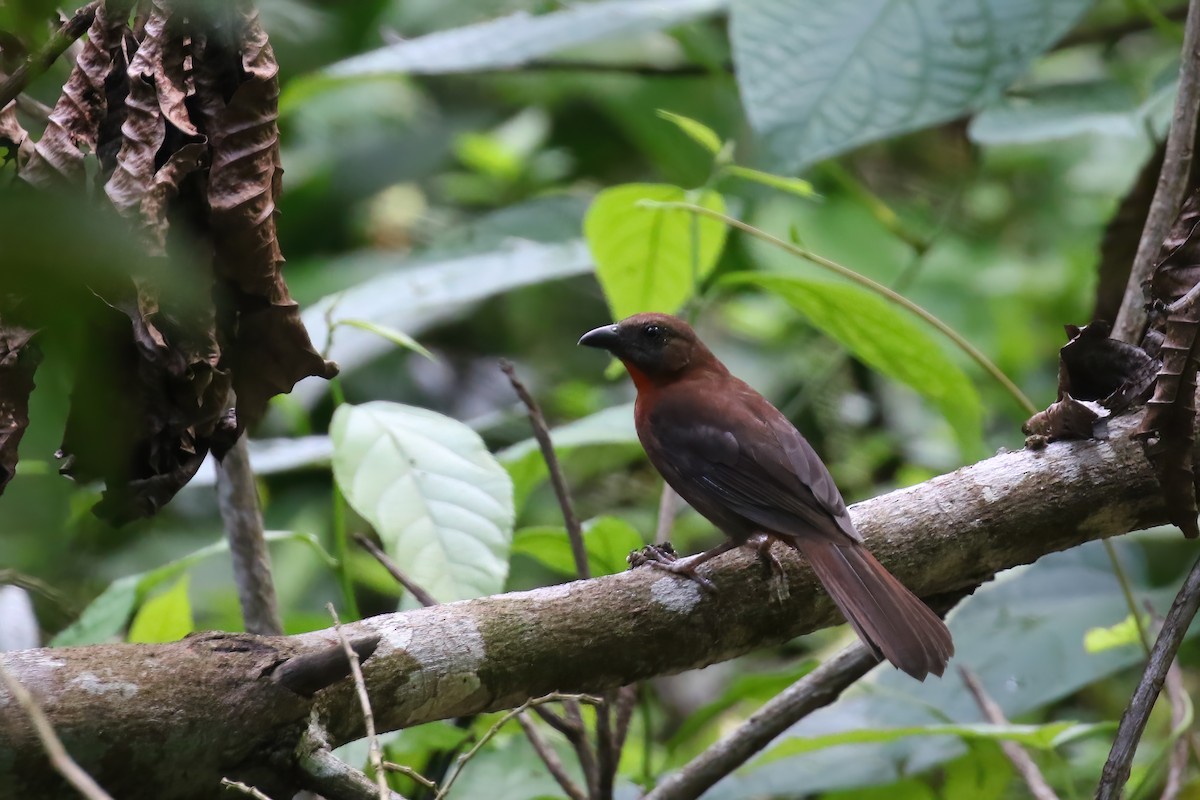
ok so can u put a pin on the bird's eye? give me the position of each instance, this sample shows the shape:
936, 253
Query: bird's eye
652, 332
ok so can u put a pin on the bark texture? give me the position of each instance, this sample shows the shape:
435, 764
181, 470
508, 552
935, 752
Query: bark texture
171, 720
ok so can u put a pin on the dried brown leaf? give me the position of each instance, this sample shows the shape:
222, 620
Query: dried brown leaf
1067, 418
237, 90
73, 128
1093, 366
13, 137
1168, 427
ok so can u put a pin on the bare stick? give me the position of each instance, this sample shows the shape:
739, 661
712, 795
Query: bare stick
37, 63
237, 498
63, 764
627, 698
550, 759
668, 508
1020, 759
607, 756
1133, 721
1178, 761
1172, 183
365, 701
413, 588
583, 748
249, 791
391, 766
815, 690
334, 779
542, 434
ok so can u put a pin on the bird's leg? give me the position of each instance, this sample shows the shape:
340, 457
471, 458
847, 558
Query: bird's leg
687, 566
776, 577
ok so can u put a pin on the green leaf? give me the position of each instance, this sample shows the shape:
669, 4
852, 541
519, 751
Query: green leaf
1041, 737
645, 259
1122, 634
698, 132
884, 338
524, 459
439, 500
394, 336
164, 618
821, 78
1048, 113
780, 182
106, 615
607, 540
510, 41
982, 774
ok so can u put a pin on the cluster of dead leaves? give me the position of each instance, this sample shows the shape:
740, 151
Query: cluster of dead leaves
171, 118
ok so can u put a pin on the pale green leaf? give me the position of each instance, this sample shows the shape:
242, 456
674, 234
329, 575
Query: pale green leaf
886, 339
440, 502
166, 617
698, 132
510, 41
645, 258
1040, 737
781, 182
820, 78
398, 338
1122, 634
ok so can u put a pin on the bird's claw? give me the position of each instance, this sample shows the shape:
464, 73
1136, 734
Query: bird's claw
686, 567
652, 554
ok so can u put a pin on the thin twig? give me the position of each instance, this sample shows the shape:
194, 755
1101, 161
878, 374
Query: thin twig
245, 789
1178, 761
607, 756
627, 698
1133, 721
364, 701
37, 63
59, 757
392, 766
583, 747
461, 761
550, 759
815, 690
668, 509
542, 433
643, 70
413, 588
1173, 181
237, 499
862, 280
1020, 759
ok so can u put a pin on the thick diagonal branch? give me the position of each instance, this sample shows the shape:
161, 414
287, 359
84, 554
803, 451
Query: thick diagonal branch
162, 706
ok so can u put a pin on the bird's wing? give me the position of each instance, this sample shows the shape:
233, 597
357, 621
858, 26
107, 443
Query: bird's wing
741, 449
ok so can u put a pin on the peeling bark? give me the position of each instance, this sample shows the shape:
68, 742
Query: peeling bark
171, 720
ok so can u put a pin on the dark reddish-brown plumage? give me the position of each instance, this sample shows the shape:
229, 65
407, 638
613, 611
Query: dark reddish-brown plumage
738, 461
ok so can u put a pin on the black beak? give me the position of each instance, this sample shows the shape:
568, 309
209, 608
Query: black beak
605, 338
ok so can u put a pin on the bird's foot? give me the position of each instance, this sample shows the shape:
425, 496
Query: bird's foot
776, 577
687, 568
652, 554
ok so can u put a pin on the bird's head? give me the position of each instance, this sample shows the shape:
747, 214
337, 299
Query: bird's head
658, 346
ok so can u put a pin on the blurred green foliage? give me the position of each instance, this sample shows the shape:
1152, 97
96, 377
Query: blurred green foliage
452, 208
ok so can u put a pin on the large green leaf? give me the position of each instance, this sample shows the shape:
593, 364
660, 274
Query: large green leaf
166, 617
819, 78
651, 259
439, 500
886, 339
510, 41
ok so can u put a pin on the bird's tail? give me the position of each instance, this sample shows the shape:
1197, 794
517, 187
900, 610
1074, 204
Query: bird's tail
891, 620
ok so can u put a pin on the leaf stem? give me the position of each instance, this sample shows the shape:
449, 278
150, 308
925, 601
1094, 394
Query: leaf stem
954, 336
341, 543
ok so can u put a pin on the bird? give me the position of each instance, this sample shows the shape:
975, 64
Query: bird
739, 462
